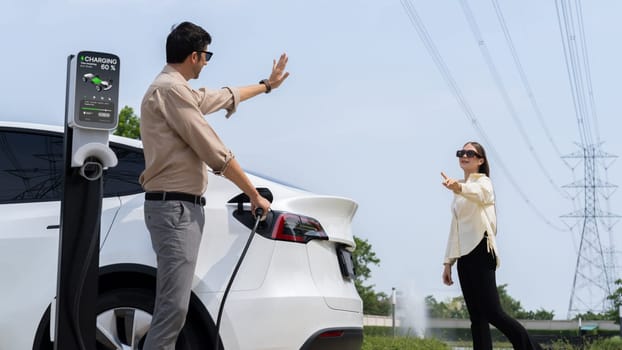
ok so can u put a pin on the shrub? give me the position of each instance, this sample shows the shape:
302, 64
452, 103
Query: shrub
613, 343
402, 343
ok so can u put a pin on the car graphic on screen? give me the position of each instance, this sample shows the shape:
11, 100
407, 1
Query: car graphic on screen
100, 84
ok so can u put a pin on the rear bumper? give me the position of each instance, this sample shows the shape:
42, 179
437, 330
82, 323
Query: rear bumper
253, 322
335, 339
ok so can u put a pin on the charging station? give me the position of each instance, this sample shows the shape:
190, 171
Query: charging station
91, 105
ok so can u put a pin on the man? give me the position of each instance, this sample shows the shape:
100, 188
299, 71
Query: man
178, 143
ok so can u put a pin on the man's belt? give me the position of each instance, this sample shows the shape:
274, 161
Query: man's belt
174, 196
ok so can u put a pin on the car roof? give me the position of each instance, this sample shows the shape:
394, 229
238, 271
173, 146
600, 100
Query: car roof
60, 129
125, 141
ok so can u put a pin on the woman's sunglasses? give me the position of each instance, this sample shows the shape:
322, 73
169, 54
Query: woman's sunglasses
469, 153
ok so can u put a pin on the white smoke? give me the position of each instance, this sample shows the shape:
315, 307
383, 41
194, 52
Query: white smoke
410, 310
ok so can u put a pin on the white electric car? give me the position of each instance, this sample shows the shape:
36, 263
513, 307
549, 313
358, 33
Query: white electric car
294, 290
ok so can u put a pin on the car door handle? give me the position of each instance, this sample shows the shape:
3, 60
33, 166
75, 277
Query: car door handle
51, 227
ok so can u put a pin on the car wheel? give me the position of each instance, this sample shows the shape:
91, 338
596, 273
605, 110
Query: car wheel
123, 319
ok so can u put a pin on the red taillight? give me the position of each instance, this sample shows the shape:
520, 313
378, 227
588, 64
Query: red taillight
331, 334
296, 228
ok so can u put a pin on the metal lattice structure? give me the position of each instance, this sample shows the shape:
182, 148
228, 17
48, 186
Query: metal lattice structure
595, 266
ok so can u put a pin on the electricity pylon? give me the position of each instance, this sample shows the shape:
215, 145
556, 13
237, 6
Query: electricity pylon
594, 277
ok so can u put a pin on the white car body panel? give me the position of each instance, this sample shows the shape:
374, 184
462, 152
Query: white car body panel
28, 263
284, 292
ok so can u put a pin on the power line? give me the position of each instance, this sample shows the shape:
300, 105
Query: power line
466, 108
593, 272
563, 29
573, 68
492, 68
523, 77
586, 64
535, 106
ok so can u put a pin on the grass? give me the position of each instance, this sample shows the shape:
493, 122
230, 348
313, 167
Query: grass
402, 343
613, 343
378, 342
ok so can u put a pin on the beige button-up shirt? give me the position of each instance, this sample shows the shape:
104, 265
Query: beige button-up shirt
177, 140
473, 213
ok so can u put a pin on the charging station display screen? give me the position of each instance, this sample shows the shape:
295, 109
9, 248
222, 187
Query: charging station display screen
95, 90
96, 111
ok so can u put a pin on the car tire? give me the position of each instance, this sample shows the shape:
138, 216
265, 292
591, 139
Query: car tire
123, 318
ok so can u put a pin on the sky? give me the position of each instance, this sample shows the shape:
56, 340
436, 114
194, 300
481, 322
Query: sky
366, 113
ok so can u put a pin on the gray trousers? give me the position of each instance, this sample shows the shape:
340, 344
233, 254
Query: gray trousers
175, 228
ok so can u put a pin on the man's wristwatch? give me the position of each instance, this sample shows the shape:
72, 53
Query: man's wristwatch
266, 82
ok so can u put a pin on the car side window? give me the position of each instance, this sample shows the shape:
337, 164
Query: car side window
122, 180
31, 166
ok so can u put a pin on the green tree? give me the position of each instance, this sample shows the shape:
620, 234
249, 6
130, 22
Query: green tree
374, 303
613, 313
616, 302
514, 308
456, 307
593, 316
540, 314
452, 308
510, 305
129, 124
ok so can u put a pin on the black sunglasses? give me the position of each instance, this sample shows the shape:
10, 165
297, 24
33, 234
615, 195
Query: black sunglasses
208, 55
469, 153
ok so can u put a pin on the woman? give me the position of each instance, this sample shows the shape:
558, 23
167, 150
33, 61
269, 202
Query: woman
472, 244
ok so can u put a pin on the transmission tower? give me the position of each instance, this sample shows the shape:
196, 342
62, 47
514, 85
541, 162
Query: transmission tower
593, 276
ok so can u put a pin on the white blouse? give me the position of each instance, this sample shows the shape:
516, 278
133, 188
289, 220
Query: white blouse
473, 213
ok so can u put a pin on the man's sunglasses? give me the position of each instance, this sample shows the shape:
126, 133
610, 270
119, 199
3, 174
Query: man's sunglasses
208, 55
469, 153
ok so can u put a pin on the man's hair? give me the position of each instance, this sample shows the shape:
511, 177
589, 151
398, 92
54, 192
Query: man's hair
184, 39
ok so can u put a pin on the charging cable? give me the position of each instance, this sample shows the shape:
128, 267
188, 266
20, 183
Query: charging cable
90, 223
258, 215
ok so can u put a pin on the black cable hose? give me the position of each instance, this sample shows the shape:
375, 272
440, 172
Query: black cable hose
258, 215
92, 231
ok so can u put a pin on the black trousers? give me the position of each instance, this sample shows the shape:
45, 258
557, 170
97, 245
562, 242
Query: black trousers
476, 272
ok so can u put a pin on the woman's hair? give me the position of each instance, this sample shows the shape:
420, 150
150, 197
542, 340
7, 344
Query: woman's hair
484, 168
183, 40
